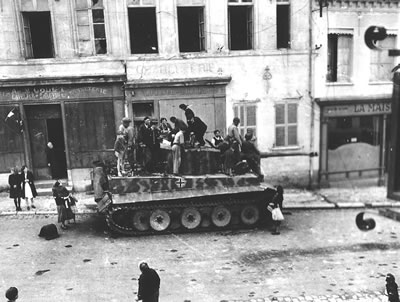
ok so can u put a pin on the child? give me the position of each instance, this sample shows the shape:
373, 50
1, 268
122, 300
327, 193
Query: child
119, 150
217, 139
12, 294
276, 203
60, 194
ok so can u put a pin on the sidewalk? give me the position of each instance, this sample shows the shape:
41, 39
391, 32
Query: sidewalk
294, 199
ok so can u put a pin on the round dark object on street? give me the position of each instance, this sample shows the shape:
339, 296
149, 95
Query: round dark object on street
364, 224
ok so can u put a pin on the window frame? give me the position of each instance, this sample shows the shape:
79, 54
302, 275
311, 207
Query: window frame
244, 126
286, 123
337, 77
201, 27
250, 23
379, 62
91, 24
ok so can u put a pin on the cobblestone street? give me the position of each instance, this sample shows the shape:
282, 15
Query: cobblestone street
319, 256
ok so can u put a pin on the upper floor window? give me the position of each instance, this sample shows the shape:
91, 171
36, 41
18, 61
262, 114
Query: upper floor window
191, 29
247, 113
286, 124
240, 21
381, 64
340, 49
143, 30
282, 24
38, 36
91, 27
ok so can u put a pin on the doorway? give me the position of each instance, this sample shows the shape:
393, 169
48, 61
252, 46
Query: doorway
45, 125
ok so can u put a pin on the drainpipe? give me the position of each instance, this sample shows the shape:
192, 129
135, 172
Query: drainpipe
310, 93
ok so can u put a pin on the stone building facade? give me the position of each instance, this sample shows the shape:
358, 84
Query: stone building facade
72, 69
353, 87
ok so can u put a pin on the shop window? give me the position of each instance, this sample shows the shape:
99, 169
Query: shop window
282, 24
38, 35
240, 18
91, 27
286, 124
191, 29
339, 58
381, 64
143, 30
248, 118
354, 129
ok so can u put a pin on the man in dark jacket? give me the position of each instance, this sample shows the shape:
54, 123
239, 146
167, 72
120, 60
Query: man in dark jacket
252, 155
102, 196
391, 288
149, 284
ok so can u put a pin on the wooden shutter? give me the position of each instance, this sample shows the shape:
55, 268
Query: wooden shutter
201, 29
85, 43
291, 124
27, 36
344, 57
250, 27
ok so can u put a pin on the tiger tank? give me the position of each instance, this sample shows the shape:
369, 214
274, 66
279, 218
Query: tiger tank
199, 199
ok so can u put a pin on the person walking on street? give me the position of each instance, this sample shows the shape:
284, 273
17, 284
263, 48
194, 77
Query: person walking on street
149, 284
276, 205
61, 194
12, 294
391, 288
28, 187
14, 180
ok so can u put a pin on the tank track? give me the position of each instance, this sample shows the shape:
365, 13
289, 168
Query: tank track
120, 218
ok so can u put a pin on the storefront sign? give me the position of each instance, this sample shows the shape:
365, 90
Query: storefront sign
54, 93
171, 69
358, 109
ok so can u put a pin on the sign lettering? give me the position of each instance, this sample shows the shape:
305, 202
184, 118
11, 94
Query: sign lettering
358, 109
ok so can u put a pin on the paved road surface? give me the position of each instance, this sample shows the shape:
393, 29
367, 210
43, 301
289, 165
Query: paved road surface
319, 255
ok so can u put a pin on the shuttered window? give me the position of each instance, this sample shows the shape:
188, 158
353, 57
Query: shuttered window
286, 124
91, 27
380, 63
248, 118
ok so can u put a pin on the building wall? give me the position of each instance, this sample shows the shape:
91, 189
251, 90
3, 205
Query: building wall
248, 69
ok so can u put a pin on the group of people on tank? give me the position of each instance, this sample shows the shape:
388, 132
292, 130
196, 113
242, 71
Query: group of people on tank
151, 135
22, 186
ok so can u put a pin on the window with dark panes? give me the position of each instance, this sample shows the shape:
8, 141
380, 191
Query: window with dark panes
339, 67
240, 18
191, 29
282, 24
38, 35
381, 64
248, 118
143, 30
286, 124
92, 39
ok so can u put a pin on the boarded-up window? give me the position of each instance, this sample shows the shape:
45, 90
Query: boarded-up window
340, 50
91, 27
11, 146
240, 20
381, 64
286, 124
90, 131
248, 118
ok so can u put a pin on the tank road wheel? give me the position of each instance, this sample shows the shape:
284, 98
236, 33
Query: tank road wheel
190, 218
250, 215
159, 220
141, 220
221, 216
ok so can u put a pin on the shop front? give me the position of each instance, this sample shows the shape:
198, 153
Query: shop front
78, 119
354, 139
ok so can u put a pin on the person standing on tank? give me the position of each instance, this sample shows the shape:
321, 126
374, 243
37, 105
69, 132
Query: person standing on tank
28, 187
14, 180
101, 187
149, 284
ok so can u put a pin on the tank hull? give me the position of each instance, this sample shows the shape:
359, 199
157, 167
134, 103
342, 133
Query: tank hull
168, 204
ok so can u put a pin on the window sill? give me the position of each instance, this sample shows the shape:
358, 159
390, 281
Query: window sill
339, 84
381, 83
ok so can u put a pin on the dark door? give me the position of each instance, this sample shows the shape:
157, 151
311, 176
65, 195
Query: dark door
45, 125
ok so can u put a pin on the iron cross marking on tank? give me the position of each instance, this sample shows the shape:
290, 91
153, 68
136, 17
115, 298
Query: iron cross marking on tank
181, 182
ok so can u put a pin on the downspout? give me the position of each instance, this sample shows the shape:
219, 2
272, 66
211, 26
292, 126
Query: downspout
310, 93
